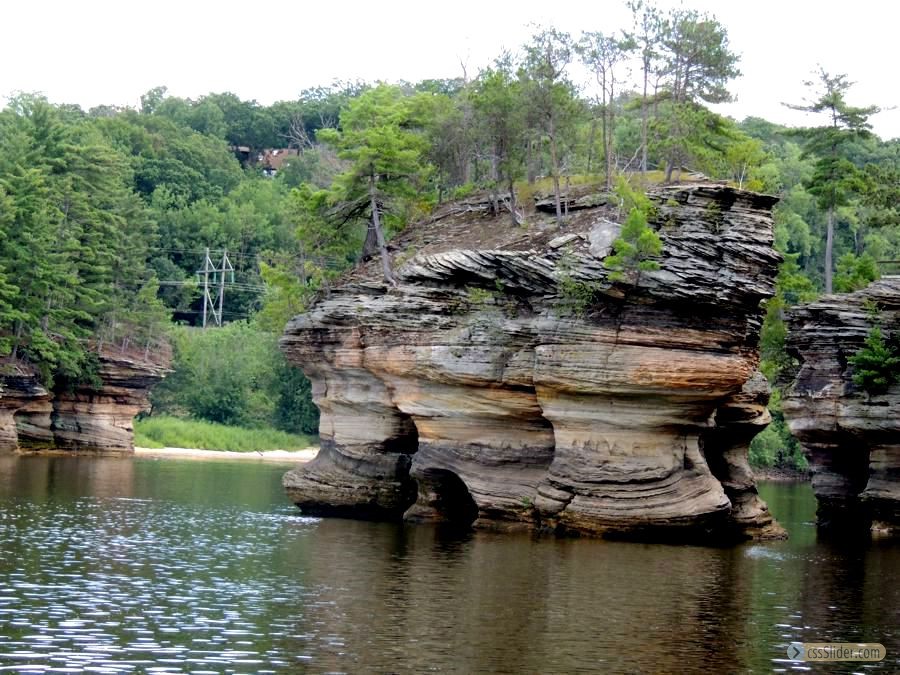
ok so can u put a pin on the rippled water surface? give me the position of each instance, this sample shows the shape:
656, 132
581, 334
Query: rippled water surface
152, 566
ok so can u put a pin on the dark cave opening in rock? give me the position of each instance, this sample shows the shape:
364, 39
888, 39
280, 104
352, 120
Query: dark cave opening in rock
452, 501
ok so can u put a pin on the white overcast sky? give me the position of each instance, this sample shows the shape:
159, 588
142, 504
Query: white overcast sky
111, 51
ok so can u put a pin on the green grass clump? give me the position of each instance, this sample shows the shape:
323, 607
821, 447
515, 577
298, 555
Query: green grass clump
173, 432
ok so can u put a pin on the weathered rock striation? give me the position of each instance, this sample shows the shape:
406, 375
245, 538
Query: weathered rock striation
514, 384
19, 388
852, 437
93, 418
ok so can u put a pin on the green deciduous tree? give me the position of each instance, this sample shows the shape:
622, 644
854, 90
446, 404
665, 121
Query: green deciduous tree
743, 157
854, 272
235, 375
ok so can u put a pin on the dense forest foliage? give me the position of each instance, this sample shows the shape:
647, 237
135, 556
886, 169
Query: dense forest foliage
107, 214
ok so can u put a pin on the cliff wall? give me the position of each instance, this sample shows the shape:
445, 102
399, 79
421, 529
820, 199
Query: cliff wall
19, 387
851, 436
84, 418
506, 381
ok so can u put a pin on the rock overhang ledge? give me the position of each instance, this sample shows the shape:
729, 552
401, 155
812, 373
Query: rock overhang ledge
476, 380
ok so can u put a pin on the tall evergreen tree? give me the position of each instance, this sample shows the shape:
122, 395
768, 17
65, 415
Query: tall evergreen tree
699, 64
499, 107
550, 95
835, 178
604, 56
385, 160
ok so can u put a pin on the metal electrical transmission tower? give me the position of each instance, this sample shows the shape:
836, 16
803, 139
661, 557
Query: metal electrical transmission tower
218, 281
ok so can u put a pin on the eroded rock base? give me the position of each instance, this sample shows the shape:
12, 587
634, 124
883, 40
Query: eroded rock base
517, 386
82, 418
851, 436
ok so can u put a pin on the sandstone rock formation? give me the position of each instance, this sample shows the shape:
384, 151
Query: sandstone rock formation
19, 387
852, 437
507, 382
87, 418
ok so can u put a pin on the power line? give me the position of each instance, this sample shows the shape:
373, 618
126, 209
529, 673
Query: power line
236, 285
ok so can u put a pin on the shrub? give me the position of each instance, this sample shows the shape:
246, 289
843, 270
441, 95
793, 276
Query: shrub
235, 375
638, 243
576, 296
478, 296
877, 363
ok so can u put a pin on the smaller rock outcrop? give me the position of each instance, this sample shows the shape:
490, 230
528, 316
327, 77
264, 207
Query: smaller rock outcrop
93, 418
851, 436
19, 388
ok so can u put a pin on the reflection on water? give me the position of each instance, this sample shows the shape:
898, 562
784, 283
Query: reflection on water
135, 565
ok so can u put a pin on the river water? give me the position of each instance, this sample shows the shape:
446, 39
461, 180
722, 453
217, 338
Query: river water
152, 566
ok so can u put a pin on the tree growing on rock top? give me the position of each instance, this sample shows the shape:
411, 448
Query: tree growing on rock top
876, 365
698, 64
385, 156
499, 106
605, 55
550, 95
638, 244
835, 178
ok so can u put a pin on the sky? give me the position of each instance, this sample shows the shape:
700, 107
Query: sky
95, 52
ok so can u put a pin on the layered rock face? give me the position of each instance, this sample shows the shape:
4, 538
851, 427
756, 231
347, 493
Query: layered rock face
852, 437
19, 388
514, 384
93, 419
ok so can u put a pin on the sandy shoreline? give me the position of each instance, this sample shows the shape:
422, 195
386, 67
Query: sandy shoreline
191, 453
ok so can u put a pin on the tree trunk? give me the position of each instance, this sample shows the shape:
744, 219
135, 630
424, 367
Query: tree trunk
670, 166
644, 112
512, 201
609, 127
379, 235
17, 339
495, 182
604, 129
554, 160
591, 137
829, 251
370, 245
532, 174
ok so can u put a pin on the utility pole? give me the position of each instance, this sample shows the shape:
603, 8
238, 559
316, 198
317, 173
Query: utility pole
226, 267
207, 263
218, 273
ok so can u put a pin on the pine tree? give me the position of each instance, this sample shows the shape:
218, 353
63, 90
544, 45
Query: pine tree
835, 178
638, 244
877, 364
385, 157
